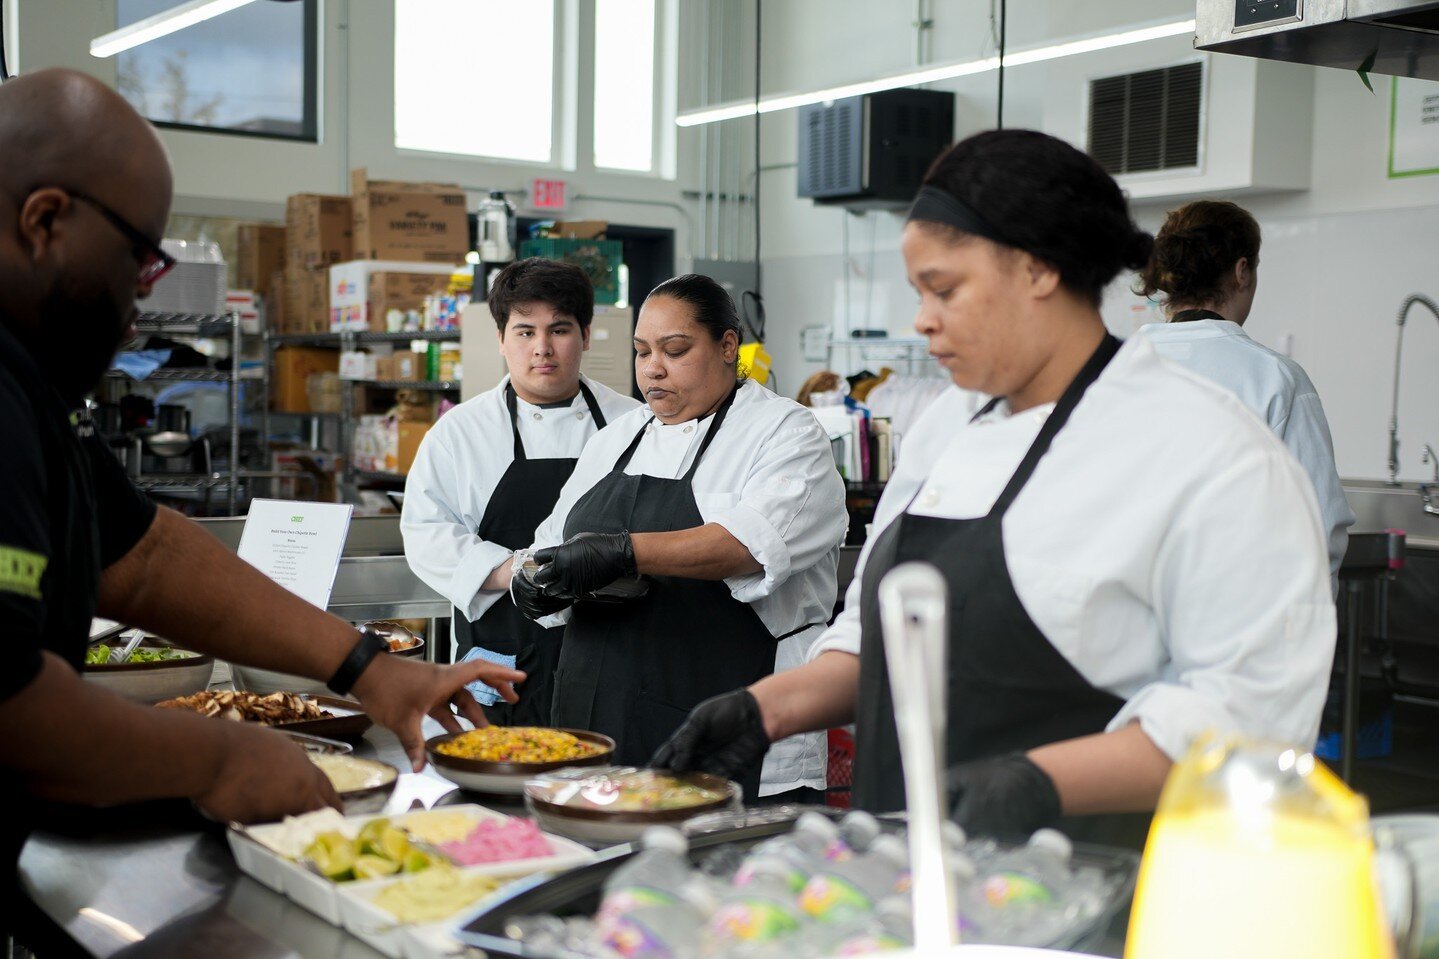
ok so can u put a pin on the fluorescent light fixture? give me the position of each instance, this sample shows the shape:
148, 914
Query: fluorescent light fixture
160, 25
947, 71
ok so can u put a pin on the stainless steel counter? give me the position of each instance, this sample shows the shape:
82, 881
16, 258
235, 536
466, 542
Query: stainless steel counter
172, 888
373, 580
1378, 506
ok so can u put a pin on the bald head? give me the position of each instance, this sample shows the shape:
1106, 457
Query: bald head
65, 128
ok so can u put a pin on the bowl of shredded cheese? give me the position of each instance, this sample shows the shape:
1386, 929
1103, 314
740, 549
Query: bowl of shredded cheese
499, 759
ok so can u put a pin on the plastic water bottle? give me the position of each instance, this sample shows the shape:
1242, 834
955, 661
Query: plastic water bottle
858, 829
1036, 872
854, 886
812, 843
661, 931
654, 877
761, 910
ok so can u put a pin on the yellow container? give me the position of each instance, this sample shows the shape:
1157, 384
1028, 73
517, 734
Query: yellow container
1257, 851
754, 362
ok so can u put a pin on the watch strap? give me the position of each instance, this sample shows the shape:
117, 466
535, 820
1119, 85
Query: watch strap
369, 645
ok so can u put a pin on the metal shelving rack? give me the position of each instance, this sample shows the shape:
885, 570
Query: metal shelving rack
211, 325
348, 340
913, 352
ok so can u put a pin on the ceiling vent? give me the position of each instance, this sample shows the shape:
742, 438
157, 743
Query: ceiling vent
1148, 121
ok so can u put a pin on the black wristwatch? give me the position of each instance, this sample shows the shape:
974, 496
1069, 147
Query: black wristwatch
367, 647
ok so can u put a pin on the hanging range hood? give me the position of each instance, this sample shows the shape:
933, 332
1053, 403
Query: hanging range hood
1401, 36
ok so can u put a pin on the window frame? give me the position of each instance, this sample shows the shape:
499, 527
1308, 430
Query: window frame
664, 103
561, 137
310, 121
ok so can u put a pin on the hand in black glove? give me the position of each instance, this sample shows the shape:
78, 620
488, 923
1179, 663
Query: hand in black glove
724, 736
534, 600
1003, 795
584, 563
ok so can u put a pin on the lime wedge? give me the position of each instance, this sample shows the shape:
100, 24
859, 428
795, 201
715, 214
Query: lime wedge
372, 867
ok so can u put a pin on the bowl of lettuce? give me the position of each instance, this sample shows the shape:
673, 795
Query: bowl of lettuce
155, 670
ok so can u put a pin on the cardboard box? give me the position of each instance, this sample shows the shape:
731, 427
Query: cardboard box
409, 222
401, 365
579, 229
274, 304
260, 254
319, 230
358, 365
409, 443
293, 367
363, 292
307, 300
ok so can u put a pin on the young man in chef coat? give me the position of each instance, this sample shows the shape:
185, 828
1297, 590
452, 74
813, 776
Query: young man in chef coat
492, 468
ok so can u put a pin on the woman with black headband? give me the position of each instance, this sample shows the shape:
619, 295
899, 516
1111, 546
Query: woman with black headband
1132, 558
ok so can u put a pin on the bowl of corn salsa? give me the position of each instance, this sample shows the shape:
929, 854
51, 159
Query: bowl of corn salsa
498, 759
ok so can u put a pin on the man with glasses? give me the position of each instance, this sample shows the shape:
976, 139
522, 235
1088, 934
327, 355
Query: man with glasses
84, 197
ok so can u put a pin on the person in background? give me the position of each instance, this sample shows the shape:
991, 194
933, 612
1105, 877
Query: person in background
1206, 268
84, 199
492, 468
1132, 559
724, 498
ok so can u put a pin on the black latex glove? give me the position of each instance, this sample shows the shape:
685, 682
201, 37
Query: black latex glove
1003, 795
534, 600
724, 735
584, 563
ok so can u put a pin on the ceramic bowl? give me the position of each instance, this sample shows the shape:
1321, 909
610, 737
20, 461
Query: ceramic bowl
505, 778
149, 683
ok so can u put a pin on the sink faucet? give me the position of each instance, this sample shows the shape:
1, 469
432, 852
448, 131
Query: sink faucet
1433, 458
1432, 307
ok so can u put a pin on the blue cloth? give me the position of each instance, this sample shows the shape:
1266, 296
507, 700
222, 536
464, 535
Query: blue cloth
486, 694
138, 364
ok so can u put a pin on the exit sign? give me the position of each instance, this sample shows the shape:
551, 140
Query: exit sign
549, 195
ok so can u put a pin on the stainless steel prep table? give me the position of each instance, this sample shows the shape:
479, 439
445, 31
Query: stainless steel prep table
175, 891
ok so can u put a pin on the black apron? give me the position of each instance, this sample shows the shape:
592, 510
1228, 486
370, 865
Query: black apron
634, 670
1009, 688
523, 498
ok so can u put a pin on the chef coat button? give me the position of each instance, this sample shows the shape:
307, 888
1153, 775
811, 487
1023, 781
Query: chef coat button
690, 428
538, 416
579, 414
931, 497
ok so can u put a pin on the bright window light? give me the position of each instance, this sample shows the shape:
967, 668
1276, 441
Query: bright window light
625, 84
475, 77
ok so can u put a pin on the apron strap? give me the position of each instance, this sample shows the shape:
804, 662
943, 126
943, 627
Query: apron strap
596, 413
719, 416
511, 403
1186, 316
689, 476
1057, 418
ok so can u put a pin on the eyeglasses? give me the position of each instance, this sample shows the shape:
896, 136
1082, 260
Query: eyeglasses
154, 262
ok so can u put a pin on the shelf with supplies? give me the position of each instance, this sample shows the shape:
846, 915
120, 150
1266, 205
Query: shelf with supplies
912, 351
378, 476
344, 339
438, 386
152, 466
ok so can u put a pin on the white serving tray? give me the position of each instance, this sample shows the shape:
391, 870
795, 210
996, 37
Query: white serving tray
348, 905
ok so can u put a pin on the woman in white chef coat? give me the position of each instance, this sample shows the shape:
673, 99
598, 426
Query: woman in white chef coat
492, 468
725, 498
1206, 267
1132, 558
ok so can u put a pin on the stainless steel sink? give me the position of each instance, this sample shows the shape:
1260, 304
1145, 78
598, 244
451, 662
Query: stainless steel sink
1378, 506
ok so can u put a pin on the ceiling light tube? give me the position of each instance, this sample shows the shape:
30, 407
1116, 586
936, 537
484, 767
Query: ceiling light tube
947, 71
160, 25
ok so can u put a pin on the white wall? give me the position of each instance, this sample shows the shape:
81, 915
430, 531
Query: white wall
1337, 261
237, 176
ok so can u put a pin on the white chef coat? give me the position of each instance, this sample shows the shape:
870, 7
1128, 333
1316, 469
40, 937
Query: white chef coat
1279, 392
769, 479
459, 464
1167, 545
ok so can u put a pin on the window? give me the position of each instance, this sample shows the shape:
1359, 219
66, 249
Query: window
625, 84
476, 77
251, 71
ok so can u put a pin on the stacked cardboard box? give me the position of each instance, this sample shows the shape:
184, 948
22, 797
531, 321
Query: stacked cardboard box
409, 222
260, 256
319, 232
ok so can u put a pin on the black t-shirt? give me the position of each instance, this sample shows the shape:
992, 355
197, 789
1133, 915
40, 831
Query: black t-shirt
67, 510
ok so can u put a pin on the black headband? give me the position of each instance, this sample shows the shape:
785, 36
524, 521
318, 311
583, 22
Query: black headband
934, 205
